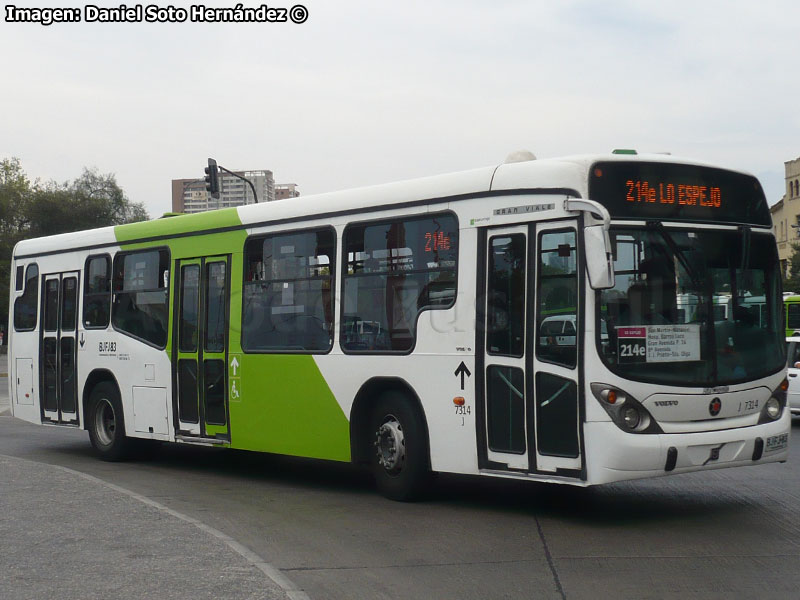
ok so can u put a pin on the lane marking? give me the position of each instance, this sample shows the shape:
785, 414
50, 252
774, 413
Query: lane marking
271, 571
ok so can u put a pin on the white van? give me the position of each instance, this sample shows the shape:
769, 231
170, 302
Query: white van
793, 364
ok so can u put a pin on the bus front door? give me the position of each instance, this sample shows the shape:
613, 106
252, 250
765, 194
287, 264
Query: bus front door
504, 410
200, 346
58, 351
556, 358
528, 418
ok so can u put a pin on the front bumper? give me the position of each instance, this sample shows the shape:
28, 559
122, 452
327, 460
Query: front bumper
614, 455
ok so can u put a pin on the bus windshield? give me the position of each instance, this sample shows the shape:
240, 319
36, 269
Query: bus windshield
692, 307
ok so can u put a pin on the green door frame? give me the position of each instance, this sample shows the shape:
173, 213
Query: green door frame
200, 347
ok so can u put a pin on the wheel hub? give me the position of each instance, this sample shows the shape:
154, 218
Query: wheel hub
390, 445
105, 422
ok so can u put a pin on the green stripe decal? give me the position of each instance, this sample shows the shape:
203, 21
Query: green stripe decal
287, 407
284, 405
215, 219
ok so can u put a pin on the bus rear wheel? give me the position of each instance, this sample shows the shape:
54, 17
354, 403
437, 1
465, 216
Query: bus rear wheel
399, 448
106, 423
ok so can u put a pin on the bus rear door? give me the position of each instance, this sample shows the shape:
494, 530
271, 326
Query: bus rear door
58, 351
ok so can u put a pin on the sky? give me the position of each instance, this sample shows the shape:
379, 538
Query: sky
367, 92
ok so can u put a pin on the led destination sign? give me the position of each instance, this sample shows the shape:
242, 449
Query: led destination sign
665, 191
436, 240
670, 193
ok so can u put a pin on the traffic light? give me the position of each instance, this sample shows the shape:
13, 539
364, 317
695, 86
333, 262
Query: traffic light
212, 178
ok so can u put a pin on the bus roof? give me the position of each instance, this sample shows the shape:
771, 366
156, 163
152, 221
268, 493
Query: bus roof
566, 175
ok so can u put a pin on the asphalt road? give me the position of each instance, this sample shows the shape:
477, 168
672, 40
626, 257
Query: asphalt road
726, 534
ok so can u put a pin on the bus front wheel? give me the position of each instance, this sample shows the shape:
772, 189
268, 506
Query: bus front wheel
106, 423
399, 448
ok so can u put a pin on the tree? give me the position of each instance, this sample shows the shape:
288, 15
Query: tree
34, 210
15, 189
791, 283
101, 193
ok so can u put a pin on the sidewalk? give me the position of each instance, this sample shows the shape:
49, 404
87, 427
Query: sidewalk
100, 541
69, 535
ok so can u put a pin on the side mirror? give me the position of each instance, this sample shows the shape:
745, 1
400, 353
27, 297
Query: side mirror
597, 243
599, 258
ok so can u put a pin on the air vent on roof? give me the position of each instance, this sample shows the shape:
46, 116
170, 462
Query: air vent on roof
520, 156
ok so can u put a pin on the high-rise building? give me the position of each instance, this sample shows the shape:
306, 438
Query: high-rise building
786, 214
286, 190
190, 195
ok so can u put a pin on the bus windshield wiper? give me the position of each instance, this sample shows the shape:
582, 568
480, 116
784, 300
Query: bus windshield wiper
678, 253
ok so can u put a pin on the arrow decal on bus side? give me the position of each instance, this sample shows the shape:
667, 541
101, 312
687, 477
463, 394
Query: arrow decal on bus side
462, 370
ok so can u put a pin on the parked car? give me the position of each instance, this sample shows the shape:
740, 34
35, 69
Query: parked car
558, 331
793, 364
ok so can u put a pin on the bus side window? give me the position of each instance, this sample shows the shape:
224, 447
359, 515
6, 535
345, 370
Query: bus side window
25, 306
395, 270
793, 316
140, 306
557, 302
97, 292
505, 333
288, 292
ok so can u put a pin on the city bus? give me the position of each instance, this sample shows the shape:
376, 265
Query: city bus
408, 326
791, 305
753, 307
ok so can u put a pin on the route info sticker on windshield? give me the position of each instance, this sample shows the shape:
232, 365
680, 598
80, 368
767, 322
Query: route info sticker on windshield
658, 343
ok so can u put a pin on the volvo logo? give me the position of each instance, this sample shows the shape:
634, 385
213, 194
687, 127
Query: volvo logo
666, 403
715, 407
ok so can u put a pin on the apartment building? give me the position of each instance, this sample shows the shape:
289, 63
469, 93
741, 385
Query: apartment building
190, 195
786, 214
286, 190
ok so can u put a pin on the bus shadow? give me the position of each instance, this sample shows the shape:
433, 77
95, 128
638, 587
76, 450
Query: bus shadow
258, 468
680, 497
616, 504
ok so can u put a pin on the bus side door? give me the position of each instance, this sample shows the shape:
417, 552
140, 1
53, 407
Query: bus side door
529, 347
200, 347
503, 413
57, 349
556, 360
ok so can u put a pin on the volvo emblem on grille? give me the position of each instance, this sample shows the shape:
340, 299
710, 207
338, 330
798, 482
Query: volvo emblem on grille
715, 406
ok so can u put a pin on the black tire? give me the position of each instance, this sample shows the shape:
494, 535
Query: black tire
398, 448
106, 423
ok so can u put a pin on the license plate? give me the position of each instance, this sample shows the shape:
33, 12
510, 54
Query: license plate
777, 442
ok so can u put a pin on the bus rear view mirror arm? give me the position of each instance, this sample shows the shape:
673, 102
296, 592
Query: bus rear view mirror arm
597, 243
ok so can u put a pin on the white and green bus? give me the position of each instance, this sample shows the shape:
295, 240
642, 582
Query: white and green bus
412, 326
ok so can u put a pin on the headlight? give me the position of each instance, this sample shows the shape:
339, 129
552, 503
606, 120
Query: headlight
626, 412
631, 417
773, 408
